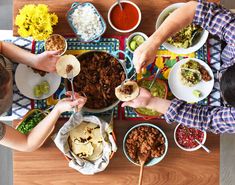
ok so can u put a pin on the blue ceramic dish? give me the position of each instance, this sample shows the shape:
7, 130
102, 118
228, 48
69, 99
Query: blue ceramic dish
74, 6
154, 160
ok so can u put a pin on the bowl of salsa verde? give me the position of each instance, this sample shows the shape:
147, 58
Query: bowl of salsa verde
158, 89
125, 20
185, 138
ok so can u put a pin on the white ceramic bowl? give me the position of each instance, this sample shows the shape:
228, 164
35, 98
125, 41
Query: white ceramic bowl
188, 149
198, 43
133, 35
124, 31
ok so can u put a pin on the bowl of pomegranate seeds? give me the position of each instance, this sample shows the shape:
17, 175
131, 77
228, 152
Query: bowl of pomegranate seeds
185, 138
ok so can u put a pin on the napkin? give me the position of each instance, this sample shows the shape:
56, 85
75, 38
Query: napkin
84, 166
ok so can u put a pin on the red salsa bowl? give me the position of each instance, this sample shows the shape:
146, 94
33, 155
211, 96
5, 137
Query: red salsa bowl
125, 20
185, 137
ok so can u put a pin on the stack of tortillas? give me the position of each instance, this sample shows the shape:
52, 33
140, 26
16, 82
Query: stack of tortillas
66, 64
127, 91
86, 141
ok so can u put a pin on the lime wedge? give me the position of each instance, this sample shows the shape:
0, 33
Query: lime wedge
139, 39
133, 45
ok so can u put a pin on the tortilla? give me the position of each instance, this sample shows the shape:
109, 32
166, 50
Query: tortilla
67, 63
86, 141
130, 94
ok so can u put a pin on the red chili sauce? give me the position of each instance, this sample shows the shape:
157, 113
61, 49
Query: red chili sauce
126, 19
186, 136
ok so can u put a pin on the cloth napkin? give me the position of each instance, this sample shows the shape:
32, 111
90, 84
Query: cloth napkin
84, 166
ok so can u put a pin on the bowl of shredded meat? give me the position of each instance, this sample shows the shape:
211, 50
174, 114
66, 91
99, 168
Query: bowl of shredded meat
142, 139
100, 74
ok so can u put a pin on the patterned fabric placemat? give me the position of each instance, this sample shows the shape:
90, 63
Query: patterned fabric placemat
76, 48
166, 59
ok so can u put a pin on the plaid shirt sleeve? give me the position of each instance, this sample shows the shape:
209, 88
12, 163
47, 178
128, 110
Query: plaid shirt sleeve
217, 20
214, 119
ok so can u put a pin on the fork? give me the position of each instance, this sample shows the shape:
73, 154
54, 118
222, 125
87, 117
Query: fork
70, 77
127, 79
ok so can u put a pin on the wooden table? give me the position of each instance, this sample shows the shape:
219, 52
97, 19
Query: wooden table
150, 10
47, 166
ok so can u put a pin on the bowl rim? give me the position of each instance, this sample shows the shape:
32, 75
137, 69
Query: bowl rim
189, 149
203, 37
147, 117
65, 41
151, 125
119, 30
71, 10
133, 35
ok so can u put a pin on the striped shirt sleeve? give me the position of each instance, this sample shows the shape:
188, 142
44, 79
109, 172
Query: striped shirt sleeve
217, 20
210, 118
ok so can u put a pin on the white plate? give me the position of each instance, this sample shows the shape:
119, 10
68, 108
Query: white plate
26, 79
185, 93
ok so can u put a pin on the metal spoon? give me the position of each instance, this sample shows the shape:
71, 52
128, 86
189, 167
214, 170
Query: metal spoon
120, 5
155, 77
203, 146
127, 79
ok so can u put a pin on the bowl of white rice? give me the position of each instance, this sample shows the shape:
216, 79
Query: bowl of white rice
86, 22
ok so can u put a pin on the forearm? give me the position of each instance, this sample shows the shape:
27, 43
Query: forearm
40, 133
27, 143
214, 119
17, 54
177, 20
159, 105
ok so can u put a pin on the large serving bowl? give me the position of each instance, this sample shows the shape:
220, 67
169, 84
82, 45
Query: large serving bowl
100, 74
151, 161
200, 40
186, 136
159, 83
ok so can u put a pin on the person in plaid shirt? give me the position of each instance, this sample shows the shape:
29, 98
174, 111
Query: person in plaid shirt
218, 21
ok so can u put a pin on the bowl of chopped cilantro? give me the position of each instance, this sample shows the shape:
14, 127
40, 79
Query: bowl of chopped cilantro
30, 120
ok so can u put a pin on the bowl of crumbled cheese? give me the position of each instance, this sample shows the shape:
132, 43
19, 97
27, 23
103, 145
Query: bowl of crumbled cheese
86, 22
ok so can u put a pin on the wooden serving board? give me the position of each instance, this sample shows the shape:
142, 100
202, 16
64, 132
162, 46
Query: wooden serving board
150, 10
47, 166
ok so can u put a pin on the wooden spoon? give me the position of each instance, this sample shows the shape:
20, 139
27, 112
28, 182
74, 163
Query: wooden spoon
142, 159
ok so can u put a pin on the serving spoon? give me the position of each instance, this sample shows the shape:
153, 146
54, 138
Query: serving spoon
142, 159
120, 5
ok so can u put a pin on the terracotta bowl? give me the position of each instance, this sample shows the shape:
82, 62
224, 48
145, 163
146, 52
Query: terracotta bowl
148, 117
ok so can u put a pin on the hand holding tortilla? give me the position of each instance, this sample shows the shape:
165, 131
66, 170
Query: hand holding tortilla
127, 91
66, 64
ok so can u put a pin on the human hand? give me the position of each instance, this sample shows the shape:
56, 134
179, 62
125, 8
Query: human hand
46, 61
141, 101
145, 54
67, 104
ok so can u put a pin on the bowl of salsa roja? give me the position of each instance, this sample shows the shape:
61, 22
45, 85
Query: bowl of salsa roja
185, 138
125, 20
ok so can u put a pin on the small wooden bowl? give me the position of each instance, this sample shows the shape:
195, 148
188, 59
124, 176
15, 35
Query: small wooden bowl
148, 117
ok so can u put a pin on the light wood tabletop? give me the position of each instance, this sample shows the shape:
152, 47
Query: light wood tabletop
48, 165
150, 10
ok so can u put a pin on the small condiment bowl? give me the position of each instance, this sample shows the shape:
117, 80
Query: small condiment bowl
129, 39
153, 161
188, 149
148, 117
120, 30
58, 36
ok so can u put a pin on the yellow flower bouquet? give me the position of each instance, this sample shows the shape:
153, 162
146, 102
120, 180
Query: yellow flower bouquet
36, 21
